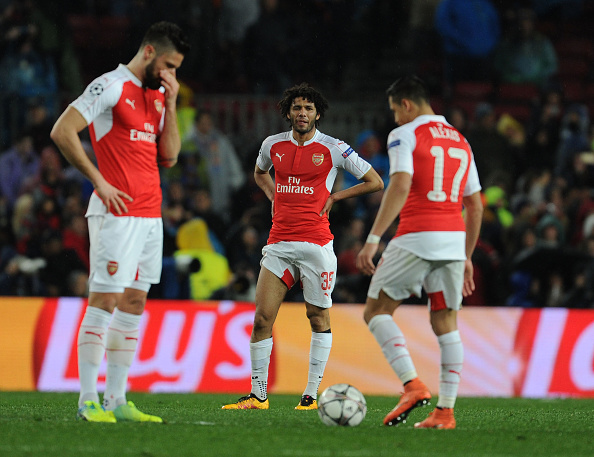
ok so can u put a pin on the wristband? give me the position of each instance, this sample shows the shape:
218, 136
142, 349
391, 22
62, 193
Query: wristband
373, 239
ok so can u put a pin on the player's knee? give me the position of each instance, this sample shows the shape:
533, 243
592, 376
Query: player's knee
319, 324
319, 319
368, 314
106, 302
262, 322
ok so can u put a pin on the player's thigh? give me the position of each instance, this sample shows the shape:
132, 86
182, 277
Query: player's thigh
279, 259
116, 246
150, 262
399, 274
270, 293
444, 285
317, 267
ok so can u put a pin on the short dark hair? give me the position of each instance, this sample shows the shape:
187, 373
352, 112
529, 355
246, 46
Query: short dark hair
306, 92
411, 87
164, 36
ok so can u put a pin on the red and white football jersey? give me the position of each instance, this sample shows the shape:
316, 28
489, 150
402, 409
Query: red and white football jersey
443, 171
125, 121
304, 176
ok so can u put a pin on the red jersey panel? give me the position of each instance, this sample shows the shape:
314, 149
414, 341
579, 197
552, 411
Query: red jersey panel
124, 121
304, 177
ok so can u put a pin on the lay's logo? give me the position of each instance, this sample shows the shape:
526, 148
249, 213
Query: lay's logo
347, 153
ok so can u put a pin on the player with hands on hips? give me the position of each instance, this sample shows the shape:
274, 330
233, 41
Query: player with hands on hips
299, 248
434, 188
132, 121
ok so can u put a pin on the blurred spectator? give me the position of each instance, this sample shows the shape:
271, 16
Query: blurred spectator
76, 179
18, 164
221, 169
200, 206
235, 17
61, 263
369, 146
515, 133
49, 181
493, 153
573, 140
78, 284
267, 51
525, 55
469, 32
196, 259
28, 74
23, 222
8, 267
423, 39
486, 261
245, 250
544, 129
496, 218
175, 213
38, 122
581, 292
458, 117
75, 236
186, 110
241, 287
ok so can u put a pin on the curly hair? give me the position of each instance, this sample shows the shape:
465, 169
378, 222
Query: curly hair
306, 92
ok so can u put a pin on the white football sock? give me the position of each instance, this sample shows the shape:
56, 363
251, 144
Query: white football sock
260, 356
393, 345
452, 358
91, 349
122, 340
319, 351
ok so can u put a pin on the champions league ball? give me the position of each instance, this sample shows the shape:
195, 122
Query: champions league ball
342, 404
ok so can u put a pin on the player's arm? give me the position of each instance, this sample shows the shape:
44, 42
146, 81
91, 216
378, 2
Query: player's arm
65, 134
266, 183
169, 140
372, 182
473, 216
392, 202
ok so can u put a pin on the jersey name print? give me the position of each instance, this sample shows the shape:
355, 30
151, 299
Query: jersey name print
304, 177
124, 121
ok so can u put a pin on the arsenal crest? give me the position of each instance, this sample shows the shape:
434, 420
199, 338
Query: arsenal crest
317, 159
158, 105
112, 267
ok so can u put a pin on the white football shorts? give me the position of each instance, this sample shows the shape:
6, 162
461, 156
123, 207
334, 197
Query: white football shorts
401, 274
313, 265
126, 252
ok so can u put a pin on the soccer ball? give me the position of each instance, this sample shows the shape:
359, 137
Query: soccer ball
342, 404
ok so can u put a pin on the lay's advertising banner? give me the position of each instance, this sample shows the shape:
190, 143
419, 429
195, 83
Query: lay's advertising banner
188, 346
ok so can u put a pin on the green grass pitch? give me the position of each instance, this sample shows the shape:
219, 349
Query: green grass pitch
44, 425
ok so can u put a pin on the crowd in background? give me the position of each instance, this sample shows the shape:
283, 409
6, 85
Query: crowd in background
537, 242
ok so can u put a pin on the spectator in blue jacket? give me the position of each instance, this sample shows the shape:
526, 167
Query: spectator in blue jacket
469, 32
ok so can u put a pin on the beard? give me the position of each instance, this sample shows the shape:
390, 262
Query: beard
150, 80
303, 130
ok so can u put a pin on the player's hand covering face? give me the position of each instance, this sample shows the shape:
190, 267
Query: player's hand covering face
162, 65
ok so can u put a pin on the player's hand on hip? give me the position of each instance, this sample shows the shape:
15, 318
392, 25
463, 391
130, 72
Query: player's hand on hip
364, 260
468, 287
328, 206
113, 197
